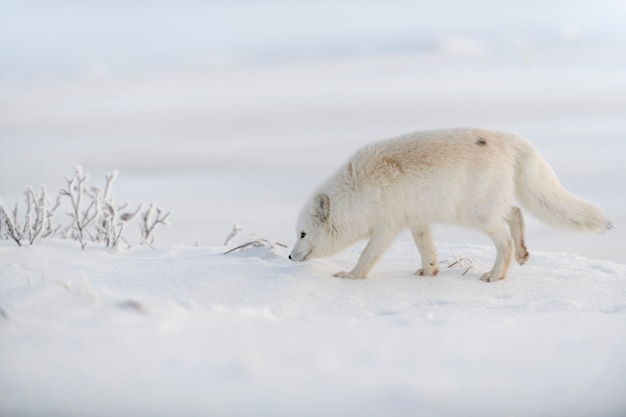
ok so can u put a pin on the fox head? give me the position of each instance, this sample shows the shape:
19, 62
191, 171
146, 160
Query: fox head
315, 233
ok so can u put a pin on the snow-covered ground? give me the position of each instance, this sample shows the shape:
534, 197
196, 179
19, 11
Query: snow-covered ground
224, 113
190, 331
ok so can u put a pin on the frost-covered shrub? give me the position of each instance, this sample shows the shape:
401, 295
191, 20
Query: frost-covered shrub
35, 222
84, 212
150, 218
94, 214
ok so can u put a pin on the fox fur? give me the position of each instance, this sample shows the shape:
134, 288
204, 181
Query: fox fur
468, 177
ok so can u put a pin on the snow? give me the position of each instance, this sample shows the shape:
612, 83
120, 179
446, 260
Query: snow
232, 114
191, 331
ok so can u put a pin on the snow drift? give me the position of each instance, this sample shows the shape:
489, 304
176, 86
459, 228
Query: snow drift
190, 331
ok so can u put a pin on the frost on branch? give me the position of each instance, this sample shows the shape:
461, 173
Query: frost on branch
35, 222
94, 214
11, 227
233, 234
254, 243
150, 218
110, 221
84, 213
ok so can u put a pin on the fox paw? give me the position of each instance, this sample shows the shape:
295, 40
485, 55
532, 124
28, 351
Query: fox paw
521, 258
431, 272
491, 277
347, 275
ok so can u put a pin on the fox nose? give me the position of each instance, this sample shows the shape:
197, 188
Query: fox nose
290, 258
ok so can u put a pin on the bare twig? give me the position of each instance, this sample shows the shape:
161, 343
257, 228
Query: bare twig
38, 205
233, 234
257, 243
81, 218
109, 226
12, 229
460, 262
49, 229
151, 217
34, 220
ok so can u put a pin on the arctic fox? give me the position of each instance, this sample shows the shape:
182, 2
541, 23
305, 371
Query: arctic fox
468, 177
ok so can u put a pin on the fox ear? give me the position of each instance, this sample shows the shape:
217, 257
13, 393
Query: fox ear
321, 205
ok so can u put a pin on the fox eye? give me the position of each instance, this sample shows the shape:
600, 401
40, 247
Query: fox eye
302, 235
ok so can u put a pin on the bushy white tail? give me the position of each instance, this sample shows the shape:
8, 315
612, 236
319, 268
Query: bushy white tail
540, 191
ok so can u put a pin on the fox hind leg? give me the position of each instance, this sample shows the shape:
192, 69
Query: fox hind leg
515, 220
424, 241
504, 248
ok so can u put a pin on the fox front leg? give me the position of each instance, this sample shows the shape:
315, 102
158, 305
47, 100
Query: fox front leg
377, 245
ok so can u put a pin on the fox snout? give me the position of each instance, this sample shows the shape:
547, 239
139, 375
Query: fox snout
298, 256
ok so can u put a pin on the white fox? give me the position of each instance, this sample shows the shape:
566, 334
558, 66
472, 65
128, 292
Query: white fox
468, 177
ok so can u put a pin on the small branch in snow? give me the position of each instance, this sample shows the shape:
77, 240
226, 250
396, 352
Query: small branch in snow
460, 262
110, 223
49, 229
149, 220
257, 243
233, 234
36, 219
82, 218
10, 223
